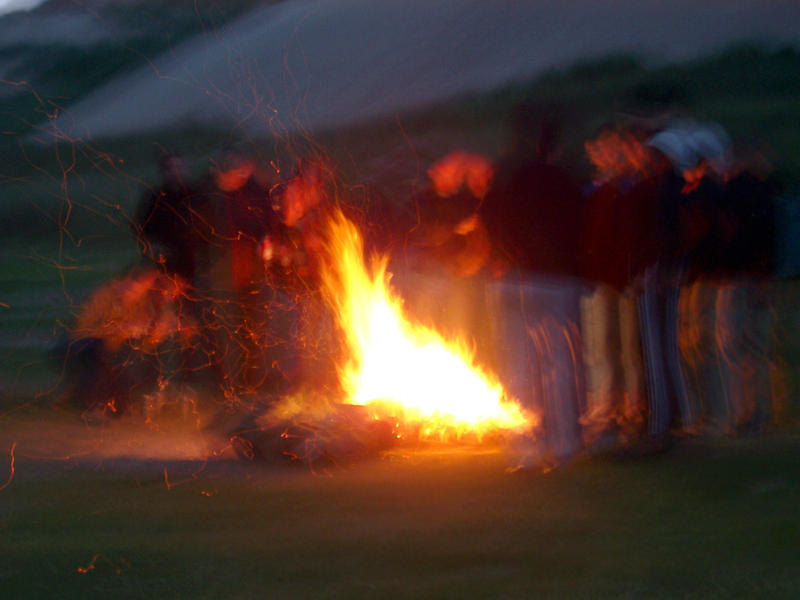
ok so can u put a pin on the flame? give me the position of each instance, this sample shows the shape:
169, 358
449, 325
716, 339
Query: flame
400, 369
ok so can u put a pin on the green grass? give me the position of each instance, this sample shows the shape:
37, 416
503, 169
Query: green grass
707, 520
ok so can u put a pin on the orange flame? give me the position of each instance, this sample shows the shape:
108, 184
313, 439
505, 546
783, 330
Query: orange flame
399, 369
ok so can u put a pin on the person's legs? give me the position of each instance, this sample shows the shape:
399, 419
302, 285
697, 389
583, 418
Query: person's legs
698, 355
633, 410
552, 315
538, 346
599, 318
514, 357
743, 335
651, 318
676, 378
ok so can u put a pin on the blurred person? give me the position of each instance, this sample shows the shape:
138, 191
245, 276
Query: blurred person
670, 178
531, 214
617, 228
302, 204
653, 210
453, 229
163, 224
118, 349
727, 333
174, 225
245, 218
449, 248
297, 333
745, 335
296, 251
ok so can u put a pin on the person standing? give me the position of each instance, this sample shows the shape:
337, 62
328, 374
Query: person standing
617, 228
172, 227
163, 223
531, 213
245, 218
727, 327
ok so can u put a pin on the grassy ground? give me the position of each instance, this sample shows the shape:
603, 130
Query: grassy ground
705, 520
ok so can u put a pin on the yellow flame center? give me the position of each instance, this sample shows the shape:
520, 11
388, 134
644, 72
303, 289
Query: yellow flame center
399, 368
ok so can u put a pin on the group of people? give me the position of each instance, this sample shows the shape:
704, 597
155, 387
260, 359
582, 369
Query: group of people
619, 311
223, 298
626, 309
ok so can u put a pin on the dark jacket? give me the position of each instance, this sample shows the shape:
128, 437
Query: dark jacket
532, 216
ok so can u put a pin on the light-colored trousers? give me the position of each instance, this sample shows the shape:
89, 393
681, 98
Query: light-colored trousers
537, 345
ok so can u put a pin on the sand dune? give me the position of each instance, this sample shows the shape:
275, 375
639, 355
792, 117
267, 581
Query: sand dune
314, 63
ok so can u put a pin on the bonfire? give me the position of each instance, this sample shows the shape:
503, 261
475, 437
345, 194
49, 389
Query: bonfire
400, 380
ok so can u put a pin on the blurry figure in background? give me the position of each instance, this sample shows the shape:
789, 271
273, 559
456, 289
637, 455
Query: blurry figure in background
457, 238
617, 234
531, 213
744, 328
164, 221
302, 204
700, 155
449, 248
294, 254
726, 317
701, 158
299, 335
638, 244
138, 333
174, 225
245, 219
117, 352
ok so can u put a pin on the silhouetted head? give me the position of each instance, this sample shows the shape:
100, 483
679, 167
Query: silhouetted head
172, 168
536, 127
309, 186
689, 145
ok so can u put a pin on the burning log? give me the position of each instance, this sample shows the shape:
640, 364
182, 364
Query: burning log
339, 435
